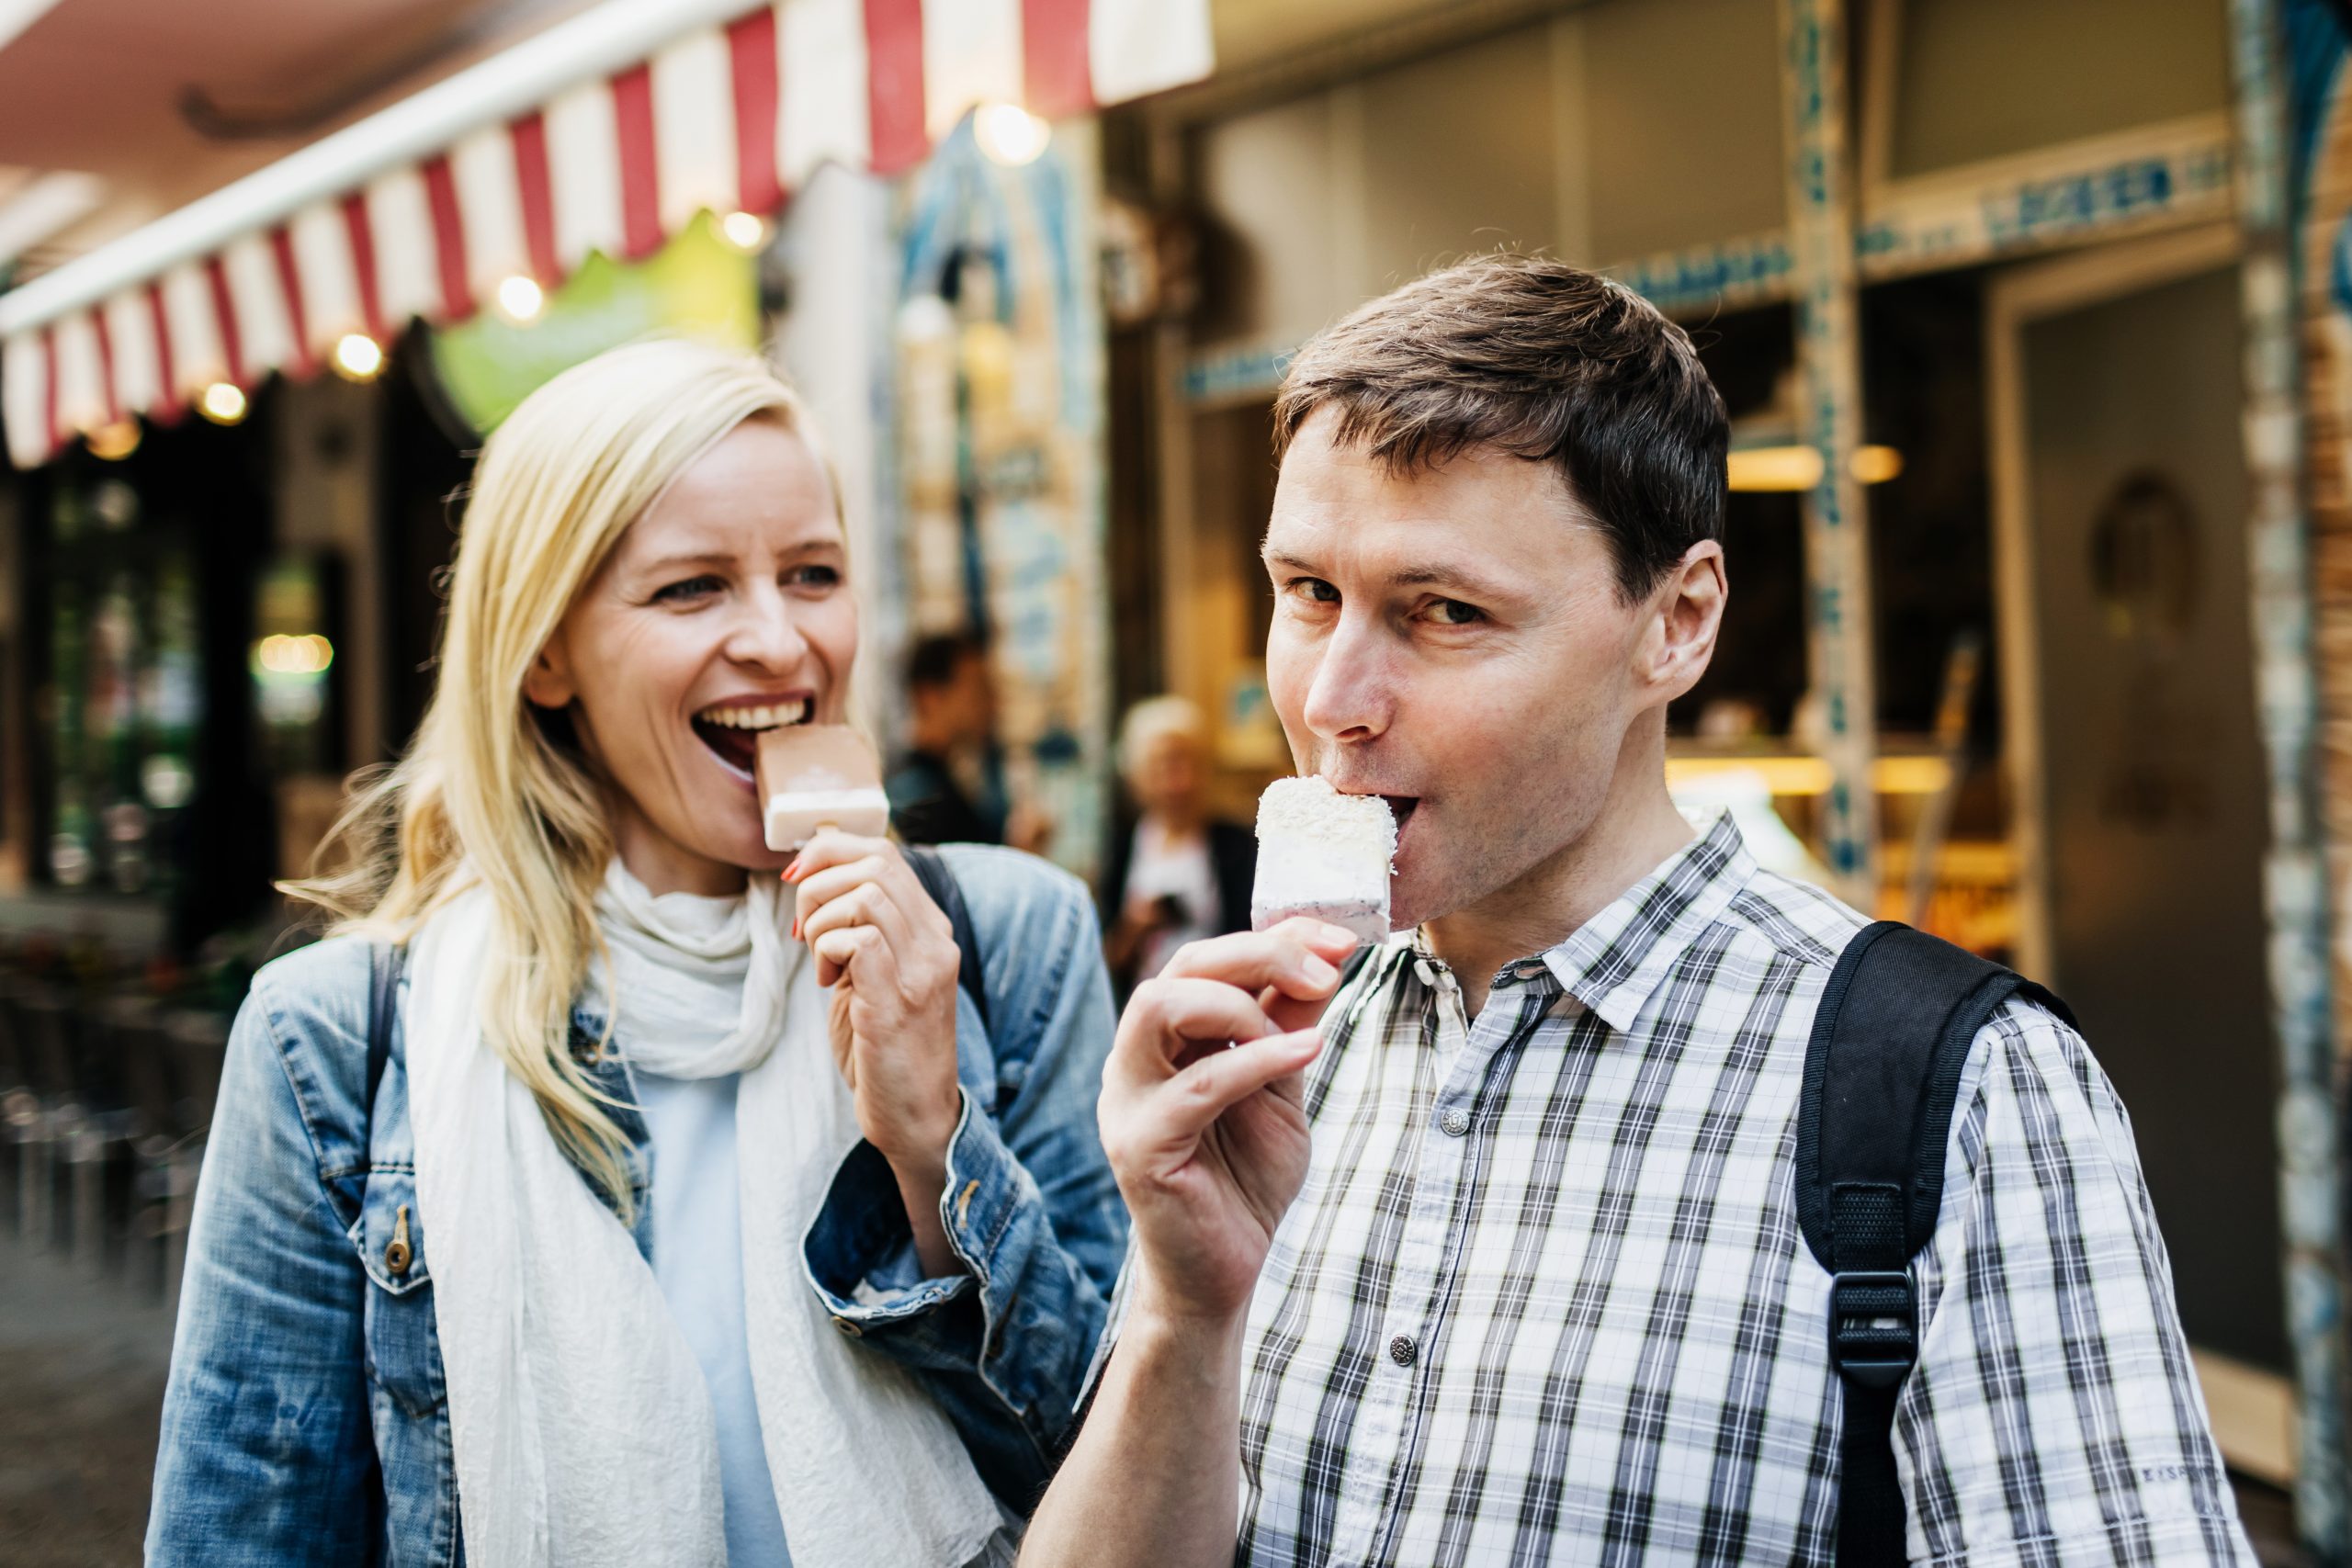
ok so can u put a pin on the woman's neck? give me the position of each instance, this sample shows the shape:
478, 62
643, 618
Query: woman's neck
665, 866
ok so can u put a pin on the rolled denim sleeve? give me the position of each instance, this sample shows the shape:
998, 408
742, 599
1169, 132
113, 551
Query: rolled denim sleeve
266, 1454
1029, 1204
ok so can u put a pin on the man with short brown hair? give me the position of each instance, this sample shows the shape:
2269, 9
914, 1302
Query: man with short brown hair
1494, 1256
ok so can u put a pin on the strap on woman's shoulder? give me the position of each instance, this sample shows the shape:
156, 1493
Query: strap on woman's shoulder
385, 960
930, 869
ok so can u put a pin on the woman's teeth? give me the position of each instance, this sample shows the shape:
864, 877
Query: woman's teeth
765, 717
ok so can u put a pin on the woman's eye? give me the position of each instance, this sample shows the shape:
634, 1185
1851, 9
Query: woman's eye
689, 590
814, 577
1454, 613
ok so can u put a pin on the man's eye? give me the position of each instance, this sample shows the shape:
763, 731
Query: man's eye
687, 590
1316, 589
1454, 613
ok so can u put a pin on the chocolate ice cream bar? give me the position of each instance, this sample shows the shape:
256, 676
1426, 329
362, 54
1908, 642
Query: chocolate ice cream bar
818, 775
1323, 854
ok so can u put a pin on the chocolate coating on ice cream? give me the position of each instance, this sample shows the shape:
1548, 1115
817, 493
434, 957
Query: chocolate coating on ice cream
818, 775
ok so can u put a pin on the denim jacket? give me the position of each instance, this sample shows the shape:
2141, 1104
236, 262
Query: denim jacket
307, 1420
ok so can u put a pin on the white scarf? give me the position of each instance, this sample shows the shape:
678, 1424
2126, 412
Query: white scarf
580, 1420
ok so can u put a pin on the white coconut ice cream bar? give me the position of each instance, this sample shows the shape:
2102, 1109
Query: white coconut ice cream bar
818, 775
1325, 855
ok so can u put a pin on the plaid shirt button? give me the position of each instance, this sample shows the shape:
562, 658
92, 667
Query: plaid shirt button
1455, 1120
1401, 1351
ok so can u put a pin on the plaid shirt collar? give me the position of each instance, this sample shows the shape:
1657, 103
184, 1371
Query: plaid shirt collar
1615, 960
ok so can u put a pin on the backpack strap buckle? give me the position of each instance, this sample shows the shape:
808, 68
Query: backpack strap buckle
1873, 1328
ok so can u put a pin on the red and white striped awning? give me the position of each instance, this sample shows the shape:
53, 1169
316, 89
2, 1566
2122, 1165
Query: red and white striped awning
607, 133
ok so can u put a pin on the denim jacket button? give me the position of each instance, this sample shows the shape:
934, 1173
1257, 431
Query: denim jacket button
846, 1326
397, 1252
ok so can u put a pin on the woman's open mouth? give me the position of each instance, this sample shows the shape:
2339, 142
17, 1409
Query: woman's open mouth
732, 731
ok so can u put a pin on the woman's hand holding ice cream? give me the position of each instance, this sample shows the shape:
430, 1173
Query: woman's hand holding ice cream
891, 959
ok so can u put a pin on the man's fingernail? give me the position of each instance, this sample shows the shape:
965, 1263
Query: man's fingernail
1319, 973
1338, 933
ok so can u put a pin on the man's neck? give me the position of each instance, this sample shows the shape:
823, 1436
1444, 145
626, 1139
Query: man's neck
1638, 828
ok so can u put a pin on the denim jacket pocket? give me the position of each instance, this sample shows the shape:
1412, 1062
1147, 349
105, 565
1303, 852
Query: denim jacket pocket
403, 1352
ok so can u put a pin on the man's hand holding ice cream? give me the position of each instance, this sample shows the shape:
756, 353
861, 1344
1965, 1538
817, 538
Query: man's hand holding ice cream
1201, 1114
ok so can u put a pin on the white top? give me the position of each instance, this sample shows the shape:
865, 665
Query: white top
698, 1263
1179, 868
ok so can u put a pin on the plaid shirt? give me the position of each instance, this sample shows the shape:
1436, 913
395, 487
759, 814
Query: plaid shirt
1544, 1296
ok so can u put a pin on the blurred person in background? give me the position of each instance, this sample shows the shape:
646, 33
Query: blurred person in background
951, 694
581, 1200
1170, 873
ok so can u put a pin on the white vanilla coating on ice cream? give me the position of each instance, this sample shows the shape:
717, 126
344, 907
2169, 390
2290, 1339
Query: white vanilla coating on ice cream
794, 814
1323, 854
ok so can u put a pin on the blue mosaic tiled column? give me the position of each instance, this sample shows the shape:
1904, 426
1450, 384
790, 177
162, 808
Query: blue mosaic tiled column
2278, 542
1837, 542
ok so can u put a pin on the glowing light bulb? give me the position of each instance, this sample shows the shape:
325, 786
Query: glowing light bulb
224, 403
744, 231
114, 442
1009, 134
520, 299
358, 358
1876, 465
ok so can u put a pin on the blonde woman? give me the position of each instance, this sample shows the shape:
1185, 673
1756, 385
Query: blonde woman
675, 1206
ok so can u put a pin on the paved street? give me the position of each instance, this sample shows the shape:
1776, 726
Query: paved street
82, 1367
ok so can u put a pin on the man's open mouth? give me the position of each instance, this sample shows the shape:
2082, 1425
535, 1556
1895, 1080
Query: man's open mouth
1403, 806
732, 731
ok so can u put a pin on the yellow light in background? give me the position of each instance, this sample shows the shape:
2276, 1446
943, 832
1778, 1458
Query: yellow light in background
279, 654
1009, 134
114, 442
1774, 468
358, 358
1810, 775
744, 231
520, 299
1876, 465
224, 403
1799, 468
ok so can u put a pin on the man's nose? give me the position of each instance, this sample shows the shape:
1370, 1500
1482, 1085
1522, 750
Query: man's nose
1353, 695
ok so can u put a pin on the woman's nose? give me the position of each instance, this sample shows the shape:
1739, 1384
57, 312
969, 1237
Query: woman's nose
764, 638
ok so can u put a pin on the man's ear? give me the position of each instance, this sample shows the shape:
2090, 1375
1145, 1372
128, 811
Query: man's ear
1687, 611
549, 683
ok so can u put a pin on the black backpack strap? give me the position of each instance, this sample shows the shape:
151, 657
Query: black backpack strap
931, 871
385, 961
1881, 1077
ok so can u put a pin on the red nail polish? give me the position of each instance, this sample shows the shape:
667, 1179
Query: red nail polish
792, 872
796, 929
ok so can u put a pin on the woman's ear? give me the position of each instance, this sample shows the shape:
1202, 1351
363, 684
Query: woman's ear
549, 683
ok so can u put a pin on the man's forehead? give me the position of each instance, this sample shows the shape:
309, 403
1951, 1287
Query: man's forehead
1488, 529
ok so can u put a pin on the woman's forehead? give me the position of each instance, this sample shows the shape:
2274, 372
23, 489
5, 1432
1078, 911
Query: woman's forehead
759, 489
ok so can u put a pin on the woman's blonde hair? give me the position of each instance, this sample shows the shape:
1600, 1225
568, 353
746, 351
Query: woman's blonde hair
492, 793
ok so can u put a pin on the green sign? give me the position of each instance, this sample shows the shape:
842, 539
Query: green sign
699, 284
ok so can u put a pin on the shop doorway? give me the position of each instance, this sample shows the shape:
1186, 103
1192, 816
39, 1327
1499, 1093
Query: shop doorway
2117, 400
